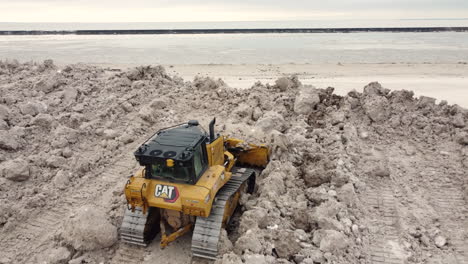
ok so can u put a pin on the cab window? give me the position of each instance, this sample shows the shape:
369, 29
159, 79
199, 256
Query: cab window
198, 161
178, 172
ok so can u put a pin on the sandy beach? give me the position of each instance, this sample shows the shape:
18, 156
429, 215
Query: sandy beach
442, 81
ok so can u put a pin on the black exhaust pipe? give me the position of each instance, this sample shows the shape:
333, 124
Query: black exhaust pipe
212, 132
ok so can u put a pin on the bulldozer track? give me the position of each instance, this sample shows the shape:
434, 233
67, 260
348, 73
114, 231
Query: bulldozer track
448, 201
31, 233
28, 239
420, 188
381, 199
208, 229
133, 227
128, 254
206, 232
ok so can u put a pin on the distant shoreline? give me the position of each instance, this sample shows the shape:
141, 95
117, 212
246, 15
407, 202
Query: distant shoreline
231, 31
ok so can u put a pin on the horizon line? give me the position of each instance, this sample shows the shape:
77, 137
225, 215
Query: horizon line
218, 21
231, 31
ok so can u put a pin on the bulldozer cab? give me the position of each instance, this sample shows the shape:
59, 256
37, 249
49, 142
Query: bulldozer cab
175, 155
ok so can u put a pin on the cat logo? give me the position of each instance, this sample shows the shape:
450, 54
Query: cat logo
168, 193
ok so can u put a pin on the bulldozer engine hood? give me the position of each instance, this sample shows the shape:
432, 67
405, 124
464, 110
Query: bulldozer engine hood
175, 196
169, 193
187, 198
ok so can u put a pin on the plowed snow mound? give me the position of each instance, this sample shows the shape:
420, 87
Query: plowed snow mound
348, 177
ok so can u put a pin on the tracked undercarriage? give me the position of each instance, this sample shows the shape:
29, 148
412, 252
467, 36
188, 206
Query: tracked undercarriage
207, 230
140, 229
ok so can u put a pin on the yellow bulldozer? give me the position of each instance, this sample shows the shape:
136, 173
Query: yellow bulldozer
189, 180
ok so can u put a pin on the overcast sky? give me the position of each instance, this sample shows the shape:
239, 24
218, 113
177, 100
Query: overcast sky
224, 10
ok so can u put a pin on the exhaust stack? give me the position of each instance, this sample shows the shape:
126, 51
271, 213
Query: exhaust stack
212, 132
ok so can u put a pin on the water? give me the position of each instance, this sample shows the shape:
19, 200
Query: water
443, 47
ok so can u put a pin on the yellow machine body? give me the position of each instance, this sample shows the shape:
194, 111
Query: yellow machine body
195, 199
181, 202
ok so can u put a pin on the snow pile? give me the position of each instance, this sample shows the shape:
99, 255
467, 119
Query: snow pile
60, 127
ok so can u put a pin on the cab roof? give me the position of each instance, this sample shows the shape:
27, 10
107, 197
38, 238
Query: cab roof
173, 143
